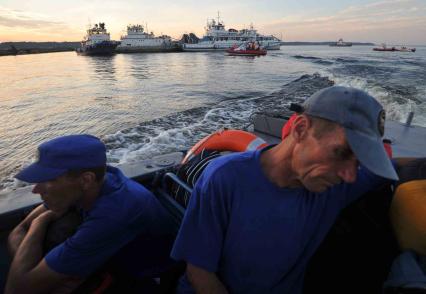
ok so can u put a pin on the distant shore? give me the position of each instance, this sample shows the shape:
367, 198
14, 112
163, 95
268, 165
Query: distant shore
19, 48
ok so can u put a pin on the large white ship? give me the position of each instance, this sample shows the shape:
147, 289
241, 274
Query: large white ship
137, 40
97, 42
218, 38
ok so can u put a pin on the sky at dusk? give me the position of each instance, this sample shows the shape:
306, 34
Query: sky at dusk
386, 21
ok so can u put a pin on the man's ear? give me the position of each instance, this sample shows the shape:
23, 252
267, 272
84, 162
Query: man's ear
87, 179
300, 127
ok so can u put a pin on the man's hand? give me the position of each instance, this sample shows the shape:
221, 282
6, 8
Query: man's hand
29, 272
18, 233
203, 281
45, 218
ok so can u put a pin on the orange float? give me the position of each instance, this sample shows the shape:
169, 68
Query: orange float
226, 140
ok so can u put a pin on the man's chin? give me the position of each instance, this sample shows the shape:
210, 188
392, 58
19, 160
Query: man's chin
318, 188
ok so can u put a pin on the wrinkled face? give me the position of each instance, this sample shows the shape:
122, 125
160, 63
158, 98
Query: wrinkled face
61, 193
325, 162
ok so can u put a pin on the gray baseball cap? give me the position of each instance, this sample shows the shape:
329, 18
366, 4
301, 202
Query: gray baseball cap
363, 119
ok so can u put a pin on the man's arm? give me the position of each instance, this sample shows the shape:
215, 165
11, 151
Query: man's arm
202, 234
204, 282
17, 235
29, 271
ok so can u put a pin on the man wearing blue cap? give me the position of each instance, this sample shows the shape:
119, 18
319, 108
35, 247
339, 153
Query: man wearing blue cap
256, 218
71, 171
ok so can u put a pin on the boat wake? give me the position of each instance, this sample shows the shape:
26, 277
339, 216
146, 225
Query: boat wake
181, 130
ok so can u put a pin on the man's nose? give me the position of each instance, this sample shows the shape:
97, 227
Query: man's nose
348, 171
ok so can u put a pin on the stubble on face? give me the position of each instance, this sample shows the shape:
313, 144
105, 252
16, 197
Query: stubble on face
320, 159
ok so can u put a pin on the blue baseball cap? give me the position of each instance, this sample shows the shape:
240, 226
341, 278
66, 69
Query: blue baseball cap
363, 119
62, 154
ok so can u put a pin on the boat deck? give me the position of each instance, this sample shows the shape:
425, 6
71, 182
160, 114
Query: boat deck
407, 141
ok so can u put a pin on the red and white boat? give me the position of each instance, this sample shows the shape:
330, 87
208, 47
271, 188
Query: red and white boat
247, 49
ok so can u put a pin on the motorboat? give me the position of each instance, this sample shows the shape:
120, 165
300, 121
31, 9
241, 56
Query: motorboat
97, 42
355, 256
247, 49
406, 49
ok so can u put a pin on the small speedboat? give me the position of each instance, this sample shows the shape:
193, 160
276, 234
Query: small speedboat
406, 49
247, 49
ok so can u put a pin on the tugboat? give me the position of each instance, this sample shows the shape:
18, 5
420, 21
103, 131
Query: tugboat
138, 40
97, 42
247, 49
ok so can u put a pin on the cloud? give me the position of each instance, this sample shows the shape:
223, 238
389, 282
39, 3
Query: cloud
396, 20
18, 25
21, 19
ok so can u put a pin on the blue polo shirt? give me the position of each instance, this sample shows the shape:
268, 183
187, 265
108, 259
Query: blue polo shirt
256, 236
123, 211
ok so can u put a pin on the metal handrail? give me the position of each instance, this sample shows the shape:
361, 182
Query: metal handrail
177, 180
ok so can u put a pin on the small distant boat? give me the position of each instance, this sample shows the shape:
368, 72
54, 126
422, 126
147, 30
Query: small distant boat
247, 49
406, 49
341, 43
97, 42
384, 48
402, 49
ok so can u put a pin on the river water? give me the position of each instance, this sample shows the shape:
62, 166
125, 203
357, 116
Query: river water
151, 103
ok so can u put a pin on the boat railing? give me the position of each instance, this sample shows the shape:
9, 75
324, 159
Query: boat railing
409, 119
175, 179
162, 192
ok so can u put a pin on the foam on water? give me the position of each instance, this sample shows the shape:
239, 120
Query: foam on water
182, 130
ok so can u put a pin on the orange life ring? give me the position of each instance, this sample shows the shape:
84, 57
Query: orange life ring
226, 140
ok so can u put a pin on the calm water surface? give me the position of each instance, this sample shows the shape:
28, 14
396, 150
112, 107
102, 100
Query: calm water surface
146, 104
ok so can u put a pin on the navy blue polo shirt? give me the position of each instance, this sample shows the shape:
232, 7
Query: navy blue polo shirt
256, 236
123, 211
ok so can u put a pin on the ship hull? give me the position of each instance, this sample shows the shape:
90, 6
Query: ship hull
147, 49
103, 48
